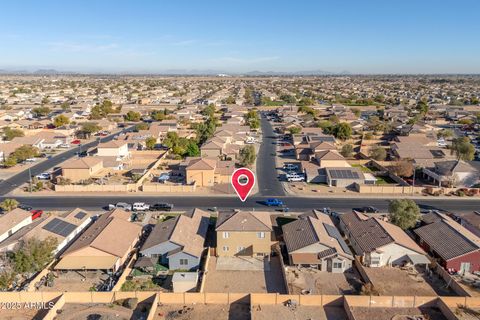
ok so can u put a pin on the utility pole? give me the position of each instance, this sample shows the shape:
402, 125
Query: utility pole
30, 178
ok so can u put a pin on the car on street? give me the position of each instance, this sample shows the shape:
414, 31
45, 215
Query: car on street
75, 142
25, 207
161, 207
273, 202
368, 209
140, 206
120, 205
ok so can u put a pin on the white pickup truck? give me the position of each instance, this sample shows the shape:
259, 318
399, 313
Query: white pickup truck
140, 206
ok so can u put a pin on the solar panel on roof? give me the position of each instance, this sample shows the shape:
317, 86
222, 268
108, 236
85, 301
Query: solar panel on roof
80, 215
333, 232
60, 227
344, 174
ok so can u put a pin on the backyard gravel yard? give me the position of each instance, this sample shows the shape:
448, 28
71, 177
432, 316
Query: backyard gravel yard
219, 281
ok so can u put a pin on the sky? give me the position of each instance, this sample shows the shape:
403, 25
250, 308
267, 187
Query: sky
368, 36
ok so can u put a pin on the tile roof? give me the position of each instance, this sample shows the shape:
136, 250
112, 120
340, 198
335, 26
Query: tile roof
244, 221
446, 237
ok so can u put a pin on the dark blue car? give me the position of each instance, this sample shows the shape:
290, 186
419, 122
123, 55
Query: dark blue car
274, 202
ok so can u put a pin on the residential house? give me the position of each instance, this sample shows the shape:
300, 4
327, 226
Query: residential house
64, 228
452, 173
177, 242
12, 221
313, 240
80, 169
99, 247
206, 172
244, 233
456, 247
114, 148
379, 243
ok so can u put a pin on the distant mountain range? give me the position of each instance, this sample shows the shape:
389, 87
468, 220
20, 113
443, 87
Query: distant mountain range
197, 72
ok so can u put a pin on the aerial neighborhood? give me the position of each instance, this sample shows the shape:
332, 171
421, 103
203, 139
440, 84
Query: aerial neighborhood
120, 188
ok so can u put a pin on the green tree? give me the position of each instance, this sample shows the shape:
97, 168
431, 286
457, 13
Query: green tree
9, 204
24, 152
230, 100
192, 149
209, 111
378, 153
150, 143
347, 150
133, 116
158, 115
288, 98
404, 213
34, 255
305, 101
356, 112
88, 128
10, 162
252, 119
294, 130
9, 133
463, 149
100, 111
247, 156
342, 131
445, 133
41, 111
141, 126
61, 120
6, 279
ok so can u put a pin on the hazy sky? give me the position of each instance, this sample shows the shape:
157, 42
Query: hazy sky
359, 36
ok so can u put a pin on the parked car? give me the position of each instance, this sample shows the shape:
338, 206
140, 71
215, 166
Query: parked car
75, 142
65, 145
140, 206
31, 160
369, 209
25, 207
274, 202
161, 207
44, 176
120, 205
290, 167
295, 178
36, 214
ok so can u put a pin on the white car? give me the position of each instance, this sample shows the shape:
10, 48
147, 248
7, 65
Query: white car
140, 206
295, 178
65, 145
43, 176
120, 205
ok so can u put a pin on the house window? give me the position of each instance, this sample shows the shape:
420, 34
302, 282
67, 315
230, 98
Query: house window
240, 249
226, 235
225, 248
261, 235
337, 265
183, 262
375, 261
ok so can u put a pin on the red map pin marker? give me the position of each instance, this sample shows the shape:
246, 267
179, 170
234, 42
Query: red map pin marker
243, 181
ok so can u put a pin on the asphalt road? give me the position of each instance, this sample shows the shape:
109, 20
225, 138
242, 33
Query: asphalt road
267, 177
231, 202
8, 185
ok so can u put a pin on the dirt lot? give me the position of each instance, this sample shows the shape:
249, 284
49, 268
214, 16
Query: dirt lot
268, 312
244, 281
395, 281
363, 313
22, 314
467, 313
74, 281
234, 311
322, 282
73, 311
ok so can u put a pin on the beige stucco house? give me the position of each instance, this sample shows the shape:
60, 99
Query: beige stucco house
118, 149
244, 233
206, 172
81, 169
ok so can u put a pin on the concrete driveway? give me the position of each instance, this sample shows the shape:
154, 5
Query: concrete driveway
242, 264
